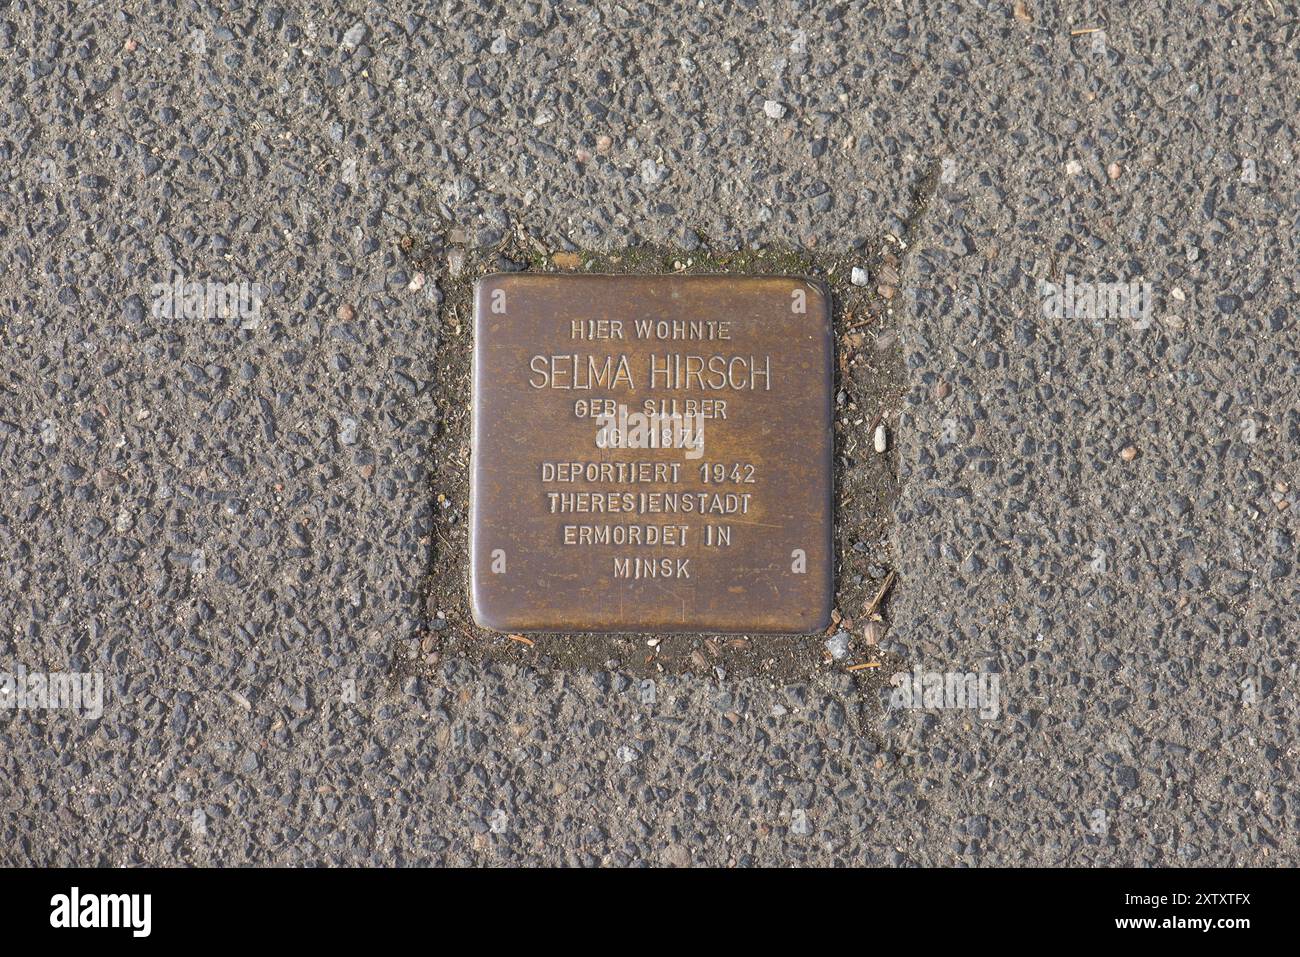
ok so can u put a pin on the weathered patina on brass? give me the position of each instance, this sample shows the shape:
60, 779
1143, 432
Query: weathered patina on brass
587, 518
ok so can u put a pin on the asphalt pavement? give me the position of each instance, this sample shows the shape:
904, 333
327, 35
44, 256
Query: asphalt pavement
228, 517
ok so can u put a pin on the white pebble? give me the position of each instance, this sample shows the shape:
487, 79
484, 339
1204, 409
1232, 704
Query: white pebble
774, 109
355, 35
347, 433
652, 174
881, 439
859, 276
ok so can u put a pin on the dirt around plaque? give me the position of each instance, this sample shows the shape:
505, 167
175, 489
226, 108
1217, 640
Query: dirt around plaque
651, 454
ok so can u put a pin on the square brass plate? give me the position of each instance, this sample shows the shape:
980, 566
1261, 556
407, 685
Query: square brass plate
651, 454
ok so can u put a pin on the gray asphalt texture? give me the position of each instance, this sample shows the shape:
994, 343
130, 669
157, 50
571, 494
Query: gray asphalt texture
1141, 614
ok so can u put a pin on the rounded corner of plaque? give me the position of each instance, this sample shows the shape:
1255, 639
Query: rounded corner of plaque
485, 618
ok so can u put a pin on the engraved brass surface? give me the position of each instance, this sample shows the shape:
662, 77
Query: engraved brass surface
651, 454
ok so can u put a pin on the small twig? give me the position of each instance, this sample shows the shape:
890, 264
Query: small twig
521, 639
867, 664
880, 595
1081, 32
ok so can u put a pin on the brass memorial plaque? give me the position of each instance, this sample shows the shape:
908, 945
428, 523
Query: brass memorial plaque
651, 454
